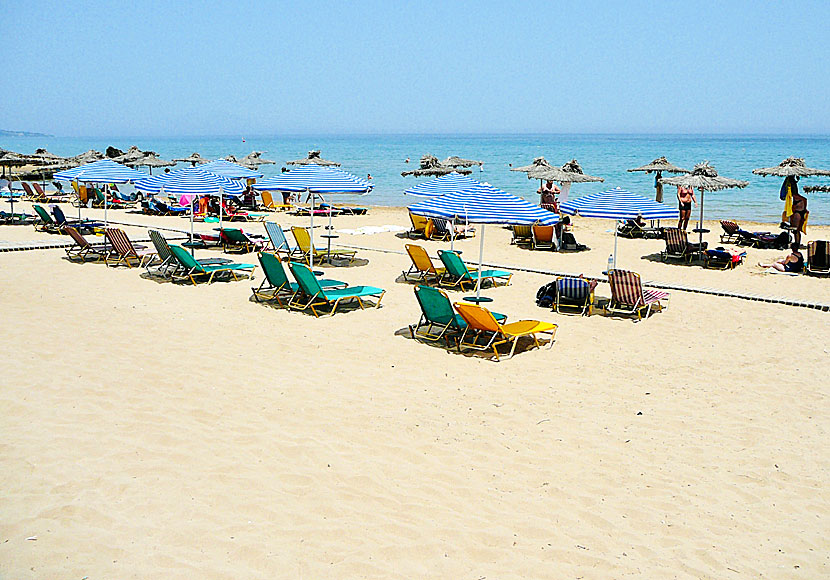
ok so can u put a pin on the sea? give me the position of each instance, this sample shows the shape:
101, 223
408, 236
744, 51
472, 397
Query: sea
608, 156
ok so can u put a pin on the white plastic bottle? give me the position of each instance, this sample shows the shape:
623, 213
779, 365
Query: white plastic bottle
610, 262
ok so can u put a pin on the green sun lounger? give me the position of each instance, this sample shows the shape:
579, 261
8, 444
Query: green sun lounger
438, 318
192, 268
46, 223
311, 295
276, 285
458, 274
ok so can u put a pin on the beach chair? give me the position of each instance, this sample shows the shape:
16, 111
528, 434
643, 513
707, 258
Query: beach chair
192, 269
46, 223
83, 226
164, 208
82, 249
730, 233
573, 293
48, 196
818, 258
484, 332
678, 246
31, 194
269, 203
124, 252
82, 193
764, 240
232, 214
276, 286
311, 294
632, 230
522, 235
168, 263
235, 240
422, 269
345, 209
629, 297
439, 229
438, 318
303, 240
458, 274
419, 226
543, 237
278, 242
722, 258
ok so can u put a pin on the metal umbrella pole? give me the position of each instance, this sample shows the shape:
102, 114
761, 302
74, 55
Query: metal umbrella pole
480, 260
311, 232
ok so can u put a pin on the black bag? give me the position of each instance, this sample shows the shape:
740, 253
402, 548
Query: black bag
546, 295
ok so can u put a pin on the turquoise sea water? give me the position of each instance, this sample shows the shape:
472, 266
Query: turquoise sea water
606, 156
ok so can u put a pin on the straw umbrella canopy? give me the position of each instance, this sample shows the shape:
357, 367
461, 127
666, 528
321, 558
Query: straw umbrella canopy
254, 159
88, 157
570, 172
538, 163
132, 154
456, 161
704, 178
193, 159
151, 160
314, 159
790, 167
431, 167
817, 188
44, 157
658, 166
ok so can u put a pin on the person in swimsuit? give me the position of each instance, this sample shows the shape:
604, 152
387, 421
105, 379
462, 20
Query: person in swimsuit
799, 214
685, 198
791, 263
548, 192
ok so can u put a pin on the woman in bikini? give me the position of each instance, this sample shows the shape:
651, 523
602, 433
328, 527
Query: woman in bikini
799, 213
685, 198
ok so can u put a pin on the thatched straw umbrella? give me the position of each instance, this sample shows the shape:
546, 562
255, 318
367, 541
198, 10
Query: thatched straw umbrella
254, 159
817, 188
193, 159
569, 173
538, 163
151, 160
658, 166
704, 178
133, 154
44, 157
456, 161
314, 159
88, 157
790, 167
431, 167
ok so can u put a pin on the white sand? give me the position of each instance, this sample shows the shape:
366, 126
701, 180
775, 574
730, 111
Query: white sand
158, 430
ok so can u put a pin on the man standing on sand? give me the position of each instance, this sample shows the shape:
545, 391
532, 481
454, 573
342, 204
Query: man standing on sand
685, 198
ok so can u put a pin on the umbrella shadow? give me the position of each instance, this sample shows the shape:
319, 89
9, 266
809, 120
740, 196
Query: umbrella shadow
658, 258
356, 263
525, 344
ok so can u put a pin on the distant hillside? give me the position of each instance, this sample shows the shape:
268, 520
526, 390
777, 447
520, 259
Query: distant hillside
4, 133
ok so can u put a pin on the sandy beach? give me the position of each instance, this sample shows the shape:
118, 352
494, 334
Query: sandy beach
152, 429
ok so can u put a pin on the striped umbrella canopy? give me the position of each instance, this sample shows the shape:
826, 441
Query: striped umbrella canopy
189, 182
617, 203
230, 170
316, 179
484, 204
103, 171
449, 183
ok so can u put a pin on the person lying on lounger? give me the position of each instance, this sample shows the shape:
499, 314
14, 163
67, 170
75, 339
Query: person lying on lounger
794, 262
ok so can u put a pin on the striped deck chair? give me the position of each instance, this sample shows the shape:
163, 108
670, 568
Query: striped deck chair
484, 332
722, 258
422, 269
82, 248
440, 229
522, 235
629, 297
543, 238
730, 232
124, 252
678, 246
573, 293
818, 258
278, 243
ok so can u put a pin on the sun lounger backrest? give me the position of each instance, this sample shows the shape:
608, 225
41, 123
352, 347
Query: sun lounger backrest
120, 242
454, 264
42, 213
267, 200
28, 189
419, 222
573, 288
185, 259
435, 304
420, 258
60, 218
161, 245
729, 227
274, 272
676, 240
38, 189
306, 280
440, 226
303, 238
277, 236
817, 255
76, 236
520, 232
626, 287
477, 318
543, 233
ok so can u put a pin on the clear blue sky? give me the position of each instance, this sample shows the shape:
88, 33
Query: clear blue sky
199, 68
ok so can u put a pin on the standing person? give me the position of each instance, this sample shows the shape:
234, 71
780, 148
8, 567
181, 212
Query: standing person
795, 207
548, 192
685, 198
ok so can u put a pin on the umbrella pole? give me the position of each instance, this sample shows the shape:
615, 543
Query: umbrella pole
700, 221
615, 245
106, 203
480, 259
192, 199
221, 207
311, 234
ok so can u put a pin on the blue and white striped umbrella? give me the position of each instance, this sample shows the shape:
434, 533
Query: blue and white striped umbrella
316, 179
448, 183
103, 171
189, 182
484, 204
231, 170
617, 203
